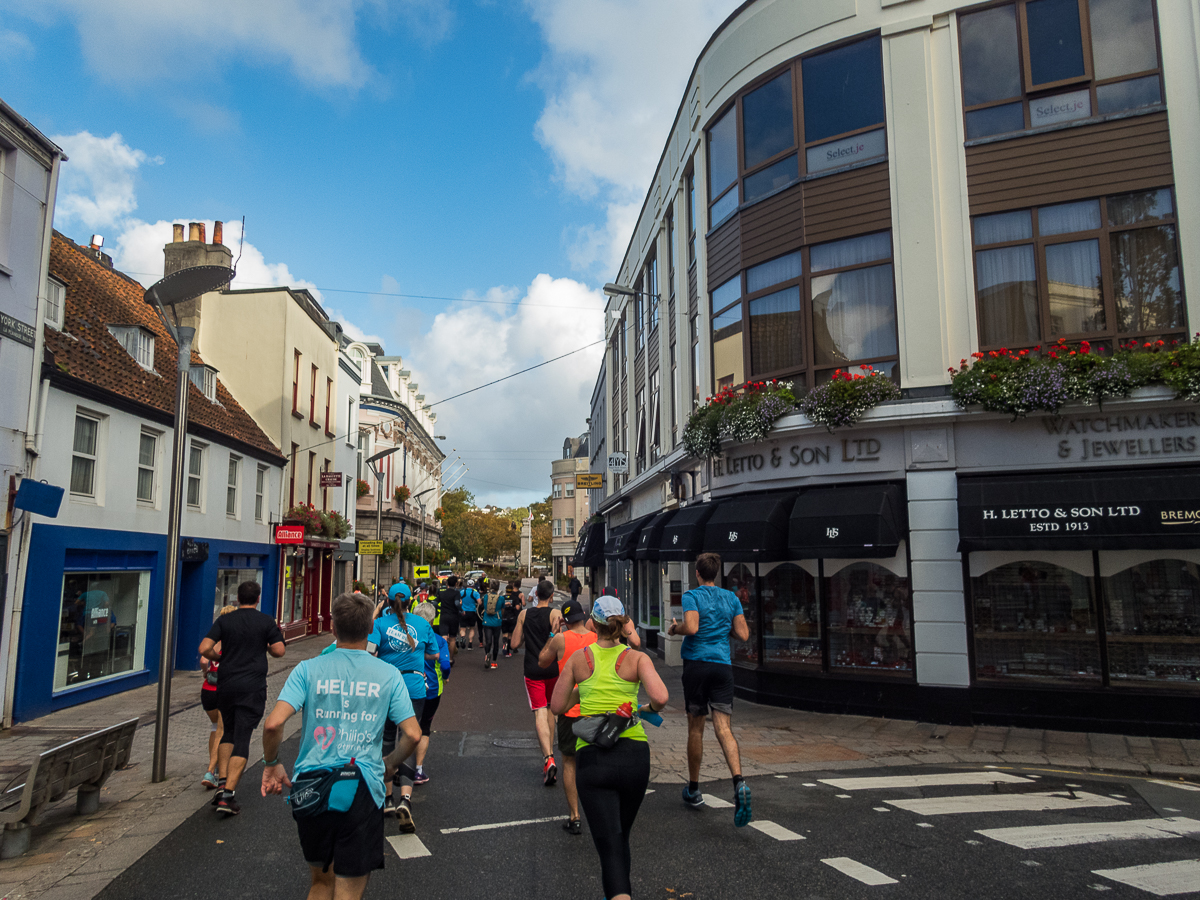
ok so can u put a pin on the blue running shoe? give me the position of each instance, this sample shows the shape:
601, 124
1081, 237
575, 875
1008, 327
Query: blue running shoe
694, 800
741, 812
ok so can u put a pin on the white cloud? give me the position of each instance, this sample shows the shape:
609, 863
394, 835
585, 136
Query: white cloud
14, 45
96, 187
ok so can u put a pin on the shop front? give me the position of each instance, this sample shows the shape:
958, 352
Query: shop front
306, 579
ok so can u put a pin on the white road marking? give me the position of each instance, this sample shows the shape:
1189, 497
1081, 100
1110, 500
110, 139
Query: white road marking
924, 825
1030, 862
781, 776
809, 784
1039, 837
843, 796
1074, 785
408, 846
1099, 887
916, 781
979, 803
881, 809
503, 825
858, 871
1160, 879
716, 802
1169, 809
1182, 785
976, 843
772, 829
650, 791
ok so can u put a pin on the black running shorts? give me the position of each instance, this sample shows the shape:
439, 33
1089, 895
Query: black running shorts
566, 737
707, 685
240, 715
470, 619
351, 841
449, 627
208, 701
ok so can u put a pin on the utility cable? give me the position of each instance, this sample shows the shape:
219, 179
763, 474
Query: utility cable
515, 374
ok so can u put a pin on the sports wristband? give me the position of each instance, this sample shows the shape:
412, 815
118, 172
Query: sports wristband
273, 762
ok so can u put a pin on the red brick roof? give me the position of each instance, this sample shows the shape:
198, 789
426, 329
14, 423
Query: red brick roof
85, 350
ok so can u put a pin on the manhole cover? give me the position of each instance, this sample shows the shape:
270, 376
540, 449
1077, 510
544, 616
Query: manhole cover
517, 744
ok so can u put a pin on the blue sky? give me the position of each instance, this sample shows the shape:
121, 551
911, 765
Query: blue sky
462, 149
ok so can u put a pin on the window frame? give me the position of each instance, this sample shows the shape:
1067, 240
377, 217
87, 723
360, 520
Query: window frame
233, 485
569, 527
53, 285
312, 464
296, 386
195, 447
261, 486
93, 457
205, 379
312, 396
152, 500
328, 405
295, 454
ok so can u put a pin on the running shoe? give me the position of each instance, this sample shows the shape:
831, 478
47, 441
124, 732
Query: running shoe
220, 792
227, 805
389, 805
404, 814
420, 777
209, 781
549, 772
573, 826
694, 800
494, 666
741, 812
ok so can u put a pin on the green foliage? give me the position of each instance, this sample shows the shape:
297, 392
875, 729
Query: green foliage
745, 414
842, 401
389, 552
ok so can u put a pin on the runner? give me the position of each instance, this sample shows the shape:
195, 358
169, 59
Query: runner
208, 702
612, 782
246, 636
448, 606
508, 617
436, 673
492, 616
342, 848
405, 642
578, 634
535, 626
470, 619
710, 616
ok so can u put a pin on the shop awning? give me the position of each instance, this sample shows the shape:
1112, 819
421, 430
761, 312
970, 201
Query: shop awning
753, 528
852, 522
651, 536
622, 540
590, 550
682, 538
1153, 509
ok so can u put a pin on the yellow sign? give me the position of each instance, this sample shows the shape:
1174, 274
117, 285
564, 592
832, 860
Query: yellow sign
586, 482
370, 548
421, 571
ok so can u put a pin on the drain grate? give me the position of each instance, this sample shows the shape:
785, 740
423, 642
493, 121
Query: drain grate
517, 743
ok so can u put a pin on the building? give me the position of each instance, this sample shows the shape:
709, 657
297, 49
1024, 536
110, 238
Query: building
568, 507
901, 185
406, 497
92, 602
29, 164
279, 352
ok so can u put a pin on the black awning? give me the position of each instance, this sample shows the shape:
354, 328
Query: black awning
651, 535
746, 529
1153, 509
590, 551
861, 520
622, 540
682, 538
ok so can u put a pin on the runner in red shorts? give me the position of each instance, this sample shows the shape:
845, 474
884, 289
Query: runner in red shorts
535, 626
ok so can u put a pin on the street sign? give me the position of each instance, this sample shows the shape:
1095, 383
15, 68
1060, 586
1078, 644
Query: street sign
618, 463
421, 571
370, 548
331, 479
289, 534
588, 482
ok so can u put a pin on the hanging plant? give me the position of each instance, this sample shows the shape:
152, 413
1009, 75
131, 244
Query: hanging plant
841, 402
363, 488
745, 414
437, 514
402, 494
335, 525
307, 515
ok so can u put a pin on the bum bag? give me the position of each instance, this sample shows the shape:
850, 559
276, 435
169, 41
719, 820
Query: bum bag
324, 790
601, 731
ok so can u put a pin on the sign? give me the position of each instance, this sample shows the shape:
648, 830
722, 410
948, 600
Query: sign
289, 534
1060, 108
191, 550
370, 548
589, 482
813, 454
618, 463
331, 479
16, 330
421, 571
846, 151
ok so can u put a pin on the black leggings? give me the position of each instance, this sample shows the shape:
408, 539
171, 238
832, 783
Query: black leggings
612, 784
389, 742
491, 640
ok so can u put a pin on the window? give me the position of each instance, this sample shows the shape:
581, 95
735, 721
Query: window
691, 223
231, 486
652, 292
328, 406
558, 528
1042, 62
296, 385
138, 343
671, 251
195, 476
556, 491
312, 397
350, 429
694, 329
791, 616
739, 578
102, 626
147, 481
722, 168
674, 397
205, 380
325, 490
569, 489
292, 474
364, 438
228, 580
358, 358
569, 527
653, 422
1089, 269
260, 493
728, 358
639, 417
312, 464
870, 617
83, 456
56, 301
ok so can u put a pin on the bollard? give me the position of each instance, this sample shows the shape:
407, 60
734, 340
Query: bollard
87, 801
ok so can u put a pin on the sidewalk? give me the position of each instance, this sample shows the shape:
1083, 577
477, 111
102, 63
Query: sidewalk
74, 857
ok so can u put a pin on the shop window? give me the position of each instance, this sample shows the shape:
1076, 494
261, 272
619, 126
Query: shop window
1103, 268
739, 578
102, 626
228, 580
1043, 62
1034, 617
84, 454
791, 615
870, 616
1152, 616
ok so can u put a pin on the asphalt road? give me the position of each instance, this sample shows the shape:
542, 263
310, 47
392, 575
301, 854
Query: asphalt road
900, 838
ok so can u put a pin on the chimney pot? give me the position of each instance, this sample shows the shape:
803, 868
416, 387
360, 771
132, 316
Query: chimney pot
202, 238
177, 233
97, 241
218, 232
194, 231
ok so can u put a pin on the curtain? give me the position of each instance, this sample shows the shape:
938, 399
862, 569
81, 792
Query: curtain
1073, 283
854, 315
1007, 290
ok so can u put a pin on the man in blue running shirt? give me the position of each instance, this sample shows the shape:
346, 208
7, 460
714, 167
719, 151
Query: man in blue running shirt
346, 696
711, 615
469, 624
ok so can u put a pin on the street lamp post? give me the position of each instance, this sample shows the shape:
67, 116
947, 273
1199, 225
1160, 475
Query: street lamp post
176, 288
421, 503
379, 500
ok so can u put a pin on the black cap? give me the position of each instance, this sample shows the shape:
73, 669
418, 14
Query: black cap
573, 611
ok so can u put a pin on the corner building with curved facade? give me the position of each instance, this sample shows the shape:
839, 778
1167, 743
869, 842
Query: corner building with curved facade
901, 184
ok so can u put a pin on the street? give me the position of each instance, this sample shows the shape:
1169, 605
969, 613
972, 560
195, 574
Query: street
487, 827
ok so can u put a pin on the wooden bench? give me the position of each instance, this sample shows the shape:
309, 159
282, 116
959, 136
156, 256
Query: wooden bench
84, 763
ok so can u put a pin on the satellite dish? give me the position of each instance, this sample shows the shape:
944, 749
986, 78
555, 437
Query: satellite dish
187, 284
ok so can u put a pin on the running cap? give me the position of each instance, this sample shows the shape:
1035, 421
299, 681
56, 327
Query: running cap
605, 607
573, 611
400, 588
609, 592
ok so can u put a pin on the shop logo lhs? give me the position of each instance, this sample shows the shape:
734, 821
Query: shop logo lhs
831, 533
1180, 516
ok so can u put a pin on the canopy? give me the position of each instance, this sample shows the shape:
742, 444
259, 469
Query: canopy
751, 528
852, 522
650, 536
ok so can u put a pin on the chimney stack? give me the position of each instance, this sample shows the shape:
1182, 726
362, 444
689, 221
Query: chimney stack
177, 233
181, 254
218, 233
194, 231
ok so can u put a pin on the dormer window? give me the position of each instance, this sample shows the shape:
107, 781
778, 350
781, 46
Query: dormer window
56, 297
205, 379
138, 343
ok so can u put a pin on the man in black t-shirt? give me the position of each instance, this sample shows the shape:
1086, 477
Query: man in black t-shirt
245, 636
449, 606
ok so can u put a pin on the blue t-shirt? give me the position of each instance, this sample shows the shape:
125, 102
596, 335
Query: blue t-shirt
492, 621
718, 608
437, 670
346, 696
470, 597
388, 636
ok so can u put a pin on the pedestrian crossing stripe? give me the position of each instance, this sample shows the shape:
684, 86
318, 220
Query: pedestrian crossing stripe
408, 846
946, 779
1040, 837
1041, 801
772, 829
858, 871
1161, 879
716, 802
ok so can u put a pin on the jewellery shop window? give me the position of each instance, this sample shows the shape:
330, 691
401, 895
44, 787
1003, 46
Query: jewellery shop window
1034, 617
791, 616
870, 615
102, 626
739, 578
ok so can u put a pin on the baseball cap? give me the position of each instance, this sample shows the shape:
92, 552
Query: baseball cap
573, 611
400, 588
606, 606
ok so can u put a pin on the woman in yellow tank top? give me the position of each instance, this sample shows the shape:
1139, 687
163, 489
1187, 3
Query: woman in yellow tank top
602, 678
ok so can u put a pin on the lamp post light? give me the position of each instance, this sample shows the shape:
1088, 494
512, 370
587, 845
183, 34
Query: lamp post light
378, 500
176, 288
421, 503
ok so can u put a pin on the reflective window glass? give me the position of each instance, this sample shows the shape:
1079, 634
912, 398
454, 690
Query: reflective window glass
1132, 94
791, 617
728, 365
102, 626
1006, 285
870, 619
1055, 41
1067, 218
1073, 285
724, 208
843, 90
1003, 227
991, 68
722, 153
854, 315
767, 126
1152, 617
739, 578
1145, 273
852, 252
772, 178
1140, 206
777, 271
995, 120
727, 293
775, 334
1122, 37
